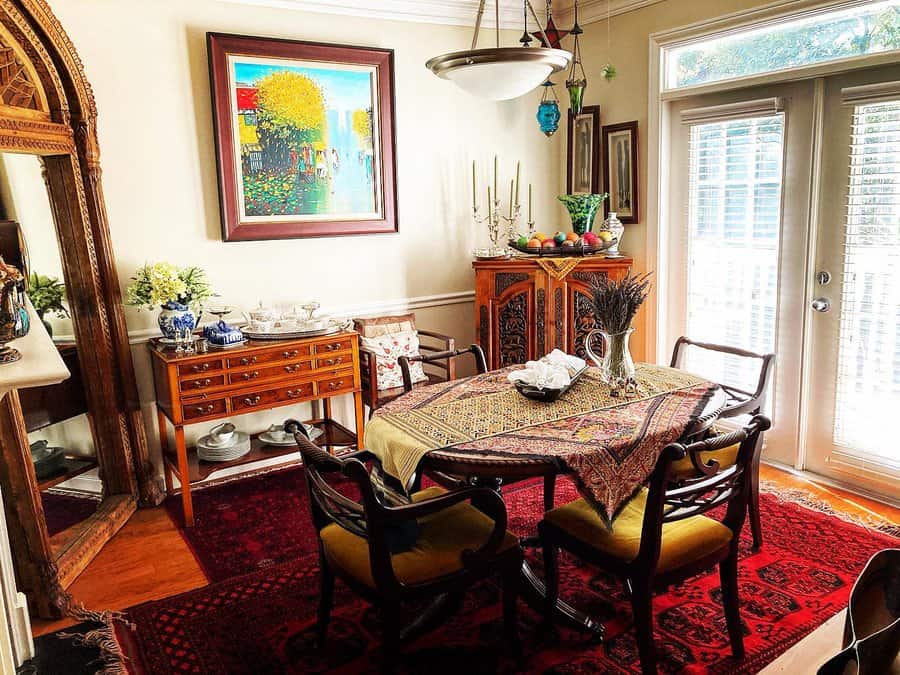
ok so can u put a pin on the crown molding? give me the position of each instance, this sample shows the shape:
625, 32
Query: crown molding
446, 12
594, 11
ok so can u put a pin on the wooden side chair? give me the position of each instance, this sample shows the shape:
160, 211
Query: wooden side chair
445, 359
662, 537
375, 394
437, 544
739, 402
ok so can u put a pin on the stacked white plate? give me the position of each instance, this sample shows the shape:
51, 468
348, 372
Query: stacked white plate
211, 451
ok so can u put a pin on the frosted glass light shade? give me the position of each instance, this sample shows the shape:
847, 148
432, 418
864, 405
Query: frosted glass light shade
500, 74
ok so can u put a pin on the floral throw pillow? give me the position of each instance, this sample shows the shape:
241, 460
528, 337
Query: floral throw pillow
387, 349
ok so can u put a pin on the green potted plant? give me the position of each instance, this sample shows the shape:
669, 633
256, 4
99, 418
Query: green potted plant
47, 295
174, 290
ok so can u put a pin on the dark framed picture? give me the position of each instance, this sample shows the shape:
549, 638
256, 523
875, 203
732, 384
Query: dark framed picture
620, 170
304, 138
583, 175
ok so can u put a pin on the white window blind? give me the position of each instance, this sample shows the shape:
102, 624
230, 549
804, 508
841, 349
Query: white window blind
734, 223
868, 379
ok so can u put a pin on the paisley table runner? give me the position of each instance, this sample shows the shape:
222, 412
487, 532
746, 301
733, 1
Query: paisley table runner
611, 444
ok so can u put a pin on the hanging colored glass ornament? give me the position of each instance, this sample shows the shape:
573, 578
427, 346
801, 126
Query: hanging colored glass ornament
548, 114
554, 34
577, 80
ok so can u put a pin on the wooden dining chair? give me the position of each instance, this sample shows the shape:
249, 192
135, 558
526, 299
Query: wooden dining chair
437, 544
661, 536
445, 360
739, 402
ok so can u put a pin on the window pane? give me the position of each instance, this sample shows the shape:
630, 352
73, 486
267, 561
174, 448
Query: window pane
734, 221
866, 29
868, 388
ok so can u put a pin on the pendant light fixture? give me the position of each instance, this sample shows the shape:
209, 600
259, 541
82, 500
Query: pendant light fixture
500, 73
577, 81
551, 36
548, 114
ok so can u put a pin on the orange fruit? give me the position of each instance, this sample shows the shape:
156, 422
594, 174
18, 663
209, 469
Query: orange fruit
572, 236
534, 243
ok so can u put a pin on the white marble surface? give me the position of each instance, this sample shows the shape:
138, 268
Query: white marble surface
40, 364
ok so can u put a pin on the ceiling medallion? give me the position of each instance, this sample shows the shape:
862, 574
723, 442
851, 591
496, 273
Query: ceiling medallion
501, 73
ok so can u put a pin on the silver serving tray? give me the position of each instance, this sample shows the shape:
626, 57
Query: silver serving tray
293, 334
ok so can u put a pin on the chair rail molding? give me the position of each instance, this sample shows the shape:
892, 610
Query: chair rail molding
455, 12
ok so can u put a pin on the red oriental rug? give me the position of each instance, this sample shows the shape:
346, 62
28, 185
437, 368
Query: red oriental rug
256, 539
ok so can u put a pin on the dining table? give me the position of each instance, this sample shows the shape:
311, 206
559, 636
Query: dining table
481, 430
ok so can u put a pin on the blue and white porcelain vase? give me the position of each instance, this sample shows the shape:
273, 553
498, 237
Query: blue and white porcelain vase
174, 318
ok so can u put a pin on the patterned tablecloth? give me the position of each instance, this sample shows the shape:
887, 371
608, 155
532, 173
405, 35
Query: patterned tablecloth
610, 444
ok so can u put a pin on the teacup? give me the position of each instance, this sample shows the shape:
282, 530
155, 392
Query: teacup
277, 433
288, 323
222, 434
260, 326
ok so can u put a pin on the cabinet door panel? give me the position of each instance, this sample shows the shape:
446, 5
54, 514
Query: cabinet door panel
514, 321
581, 310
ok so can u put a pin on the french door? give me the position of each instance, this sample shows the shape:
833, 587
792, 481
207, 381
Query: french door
785, 237
854, 296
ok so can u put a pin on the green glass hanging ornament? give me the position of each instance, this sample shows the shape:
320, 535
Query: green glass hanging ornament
577, 80
548, 111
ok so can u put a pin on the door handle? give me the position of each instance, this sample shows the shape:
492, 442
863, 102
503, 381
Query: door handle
821, 305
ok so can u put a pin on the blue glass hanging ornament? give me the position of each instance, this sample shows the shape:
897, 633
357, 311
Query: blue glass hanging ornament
548, 111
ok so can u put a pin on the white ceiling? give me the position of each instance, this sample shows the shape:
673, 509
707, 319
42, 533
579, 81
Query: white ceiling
456, 12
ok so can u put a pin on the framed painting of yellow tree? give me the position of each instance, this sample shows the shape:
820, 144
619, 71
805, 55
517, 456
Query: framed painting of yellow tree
304, 138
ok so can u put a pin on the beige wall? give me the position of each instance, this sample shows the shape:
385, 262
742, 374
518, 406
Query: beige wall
147, 64
626, 97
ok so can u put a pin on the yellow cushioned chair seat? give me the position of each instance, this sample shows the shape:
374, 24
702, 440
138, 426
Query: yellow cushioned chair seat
684, 468
442, 538
683, 541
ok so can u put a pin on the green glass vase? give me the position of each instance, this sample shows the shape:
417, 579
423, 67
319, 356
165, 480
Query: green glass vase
582, 210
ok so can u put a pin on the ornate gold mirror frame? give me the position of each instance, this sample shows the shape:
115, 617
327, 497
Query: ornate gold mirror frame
47, 108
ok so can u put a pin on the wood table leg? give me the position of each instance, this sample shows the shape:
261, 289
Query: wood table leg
326, 408
184, 477
164, 446
360, 419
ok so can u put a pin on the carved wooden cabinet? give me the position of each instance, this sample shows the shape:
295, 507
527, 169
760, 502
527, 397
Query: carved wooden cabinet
527, 306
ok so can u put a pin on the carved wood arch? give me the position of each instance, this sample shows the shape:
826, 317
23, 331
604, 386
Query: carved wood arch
47, 108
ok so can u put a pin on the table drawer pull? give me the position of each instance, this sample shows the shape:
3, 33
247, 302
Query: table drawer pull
199, 384
252, 400
337, 384
200, 368
294, 368
251, 376
294, 393
333, 346
205, 409
290, 354
334, 362
249, 360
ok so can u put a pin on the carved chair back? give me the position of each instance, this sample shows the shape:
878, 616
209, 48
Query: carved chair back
445, 357
670, 500
740, 401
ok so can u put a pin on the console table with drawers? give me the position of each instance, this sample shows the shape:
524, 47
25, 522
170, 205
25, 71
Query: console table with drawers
260, 375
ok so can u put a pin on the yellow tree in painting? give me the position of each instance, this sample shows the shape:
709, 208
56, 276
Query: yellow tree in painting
362, 126
291, 112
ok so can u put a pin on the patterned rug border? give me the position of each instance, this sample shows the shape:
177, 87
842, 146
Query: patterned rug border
805, 498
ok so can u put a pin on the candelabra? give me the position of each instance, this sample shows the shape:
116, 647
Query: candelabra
495, 220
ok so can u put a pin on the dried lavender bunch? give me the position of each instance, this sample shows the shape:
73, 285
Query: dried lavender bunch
616, 302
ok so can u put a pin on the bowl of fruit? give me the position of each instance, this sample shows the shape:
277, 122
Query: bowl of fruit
562, 244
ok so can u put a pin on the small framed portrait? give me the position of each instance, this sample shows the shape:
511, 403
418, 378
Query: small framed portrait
620, 170
583, 175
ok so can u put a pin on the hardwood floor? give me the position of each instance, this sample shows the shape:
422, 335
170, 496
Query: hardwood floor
148, 560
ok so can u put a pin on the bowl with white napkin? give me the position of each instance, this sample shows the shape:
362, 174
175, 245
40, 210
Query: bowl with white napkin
548, 378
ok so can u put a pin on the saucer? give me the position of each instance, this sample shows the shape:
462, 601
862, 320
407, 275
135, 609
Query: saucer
314, 432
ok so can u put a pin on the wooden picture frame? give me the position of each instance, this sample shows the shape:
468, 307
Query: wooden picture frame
285, 172
583, 152
620, 171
